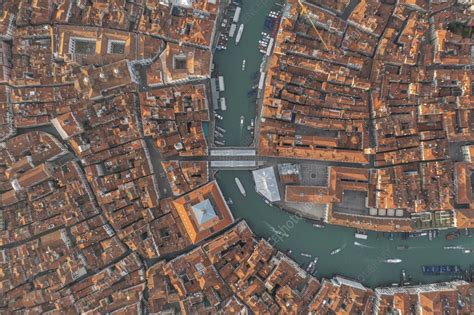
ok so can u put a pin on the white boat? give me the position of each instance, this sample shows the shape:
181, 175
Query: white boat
243, 65
219, 142
218, 116
242, 120
312, 266
306, 255
240, 186
223, 104
452, 247
336, 251
361, 236
218, 134
220, 129
467, 251
239, 34
393, 261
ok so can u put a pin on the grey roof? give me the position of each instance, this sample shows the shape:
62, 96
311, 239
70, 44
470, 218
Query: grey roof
266, 183
204, 211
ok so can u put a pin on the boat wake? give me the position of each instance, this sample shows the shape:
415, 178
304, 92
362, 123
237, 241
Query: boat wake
362, 245
276, 231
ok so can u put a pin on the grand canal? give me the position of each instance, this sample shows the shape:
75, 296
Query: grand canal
238, 83
363, 260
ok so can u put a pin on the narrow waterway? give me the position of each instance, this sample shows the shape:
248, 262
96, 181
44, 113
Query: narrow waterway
238, 84
363, 260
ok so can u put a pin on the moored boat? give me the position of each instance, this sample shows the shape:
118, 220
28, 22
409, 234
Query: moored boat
453, 235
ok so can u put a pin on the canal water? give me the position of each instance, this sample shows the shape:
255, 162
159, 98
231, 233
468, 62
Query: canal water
362, 260
238, 83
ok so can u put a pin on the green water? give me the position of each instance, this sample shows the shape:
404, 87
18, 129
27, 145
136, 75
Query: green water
237, 82
364, 263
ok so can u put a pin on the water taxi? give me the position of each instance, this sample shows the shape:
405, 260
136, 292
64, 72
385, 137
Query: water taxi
240, 186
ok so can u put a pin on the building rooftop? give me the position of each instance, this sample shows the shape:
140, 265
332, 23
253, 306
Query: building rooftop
203, 211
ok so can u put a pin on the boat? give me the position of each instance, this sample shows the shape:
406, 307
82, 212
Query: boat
220, 129
312, 266
336, 251
243, 65
218, 134
393, 261
451, 247
403, 247
220, 142
436, 270
360, 234
239, 34
453, 235
230, 201
467, 251
306, 255
240, 186
404, 278
318, 225
218, 116
242, 120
